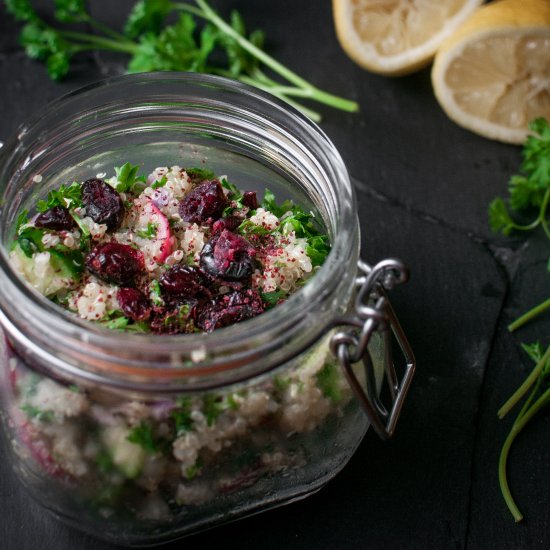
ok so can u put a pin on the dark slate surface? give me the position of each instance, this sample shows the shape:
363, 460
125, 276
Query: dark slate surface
423, 188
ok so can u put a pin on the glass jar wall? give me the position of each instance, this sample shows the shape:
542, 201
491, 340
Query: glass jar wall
144, 438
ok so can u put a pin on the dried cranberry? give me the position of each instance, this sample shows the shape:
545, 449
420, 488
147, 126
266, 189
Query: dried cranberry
206, 201
134, 304
183, 280
228, 309
230, 222
249, 199
103, 203
228, 256
57, 218
115, 263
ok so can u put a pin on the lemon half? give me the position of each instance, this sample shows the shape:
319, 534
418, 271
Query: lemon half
395, 37
493, 75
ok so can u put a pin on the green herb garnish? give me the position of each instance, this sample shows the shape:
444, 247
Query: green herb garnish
67, 196
35, 413
201, 174
273, 298
149, 233
142, 435
30, 240
528, 191
159, 183
248, 227
212, 408
328, 379
128, 179
295, 219
199, 41
182, 416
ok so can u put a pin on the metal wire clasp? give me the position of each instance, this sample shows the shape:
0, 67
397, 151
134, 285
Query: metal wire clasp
373, 313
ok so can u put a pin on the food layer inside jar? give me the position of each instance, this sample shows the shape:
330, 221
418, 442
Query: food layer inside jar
178, 251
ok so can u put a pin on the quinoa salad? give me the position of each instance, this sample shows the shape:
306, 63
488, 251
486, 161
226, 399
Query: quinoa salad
180, 251
177, 252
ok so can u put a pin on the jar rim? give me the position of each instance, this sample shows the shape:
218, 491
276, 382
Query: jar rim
230, 349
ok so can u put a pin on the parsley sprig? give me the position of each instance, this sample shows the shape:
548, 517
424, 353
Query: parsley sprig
295, 219
193, 43
67, 196
529, 191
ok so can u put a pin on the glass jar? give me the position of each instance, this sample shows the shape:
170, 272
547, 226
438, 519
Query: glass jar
140, 438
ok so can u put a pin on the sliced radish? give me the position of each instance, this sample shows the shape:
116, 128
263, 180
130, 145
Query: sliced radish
40, 451
163, 238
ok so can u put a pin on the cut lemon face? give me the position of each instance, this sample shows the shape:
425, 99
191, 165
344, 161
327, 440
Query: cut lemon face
493, 75
395, 37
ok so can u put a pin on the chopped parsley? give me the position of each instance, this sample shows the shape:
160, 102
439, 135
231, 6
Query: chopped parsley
328, 379
212, 408
200, 174
128, 180
182, 416
67, 196
30, 240
35, 413
159, 183
149, 233
142, 435
273, 298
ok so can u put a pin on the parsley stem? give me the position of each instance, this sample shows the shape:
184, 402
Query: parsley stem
105, 29
502, 477
312, 91
542, 215
276, 91
100, 41
531, 314
523, 418
527, 383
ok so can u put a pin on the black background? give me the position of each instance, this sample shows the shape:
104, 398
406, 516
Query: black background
424, 188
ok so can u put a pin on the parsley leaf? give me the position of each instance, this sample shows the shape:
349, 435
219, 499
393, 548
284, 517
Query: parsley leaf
499, 217
269, 203
317, 249
147, 16
118, 323
248, 227
174, 48
201, 174
182, 416
328, 379
239, 59
212, 408
155, 293
30, 240
70, 263
44, 43
70, 11
159, 183
22, 10
128, 179
35, 413
22, 219
273, 298
529, 189
142, 435
150, 232
67, 196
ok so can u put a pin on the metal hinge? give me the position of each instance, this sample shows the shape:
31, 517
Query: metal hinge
372, 313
